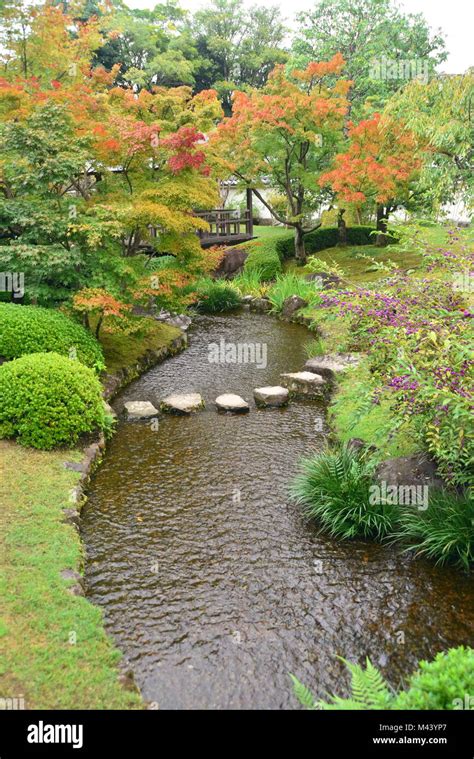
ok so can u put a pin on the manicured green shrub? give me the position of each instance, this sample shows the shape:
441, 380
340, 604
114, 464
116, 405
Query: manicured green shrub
324, 237
447, 682
285, 246
34, 329
215, 297
48, 400
444, 531
263, 256
333, 487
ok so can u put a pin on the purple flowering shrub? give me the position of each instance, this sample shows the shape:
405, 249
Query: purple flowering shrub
418, 335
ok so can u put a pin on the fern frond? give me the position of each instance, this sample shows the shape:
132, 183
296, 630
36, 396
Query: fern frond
303, 694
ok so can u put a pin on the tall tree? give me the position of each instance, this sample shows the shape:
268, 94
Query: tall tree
237, 45
441, 114
287, 133
367, 33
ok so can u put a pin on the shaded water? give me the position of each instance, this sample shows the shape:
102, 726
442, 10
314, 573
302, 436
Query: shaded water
211, 583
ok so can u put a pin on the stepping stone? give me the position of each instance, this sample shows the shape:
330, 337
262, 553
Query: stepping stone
182, 404
305, 384
140, 409
332, 363
271, 396
232, 402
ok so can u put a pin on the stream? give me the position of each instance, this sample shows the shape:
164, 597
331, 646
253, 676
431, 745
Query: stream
211, 583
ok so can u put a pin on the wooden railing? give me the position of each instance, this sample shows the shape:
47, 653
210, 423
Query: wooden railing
226, 225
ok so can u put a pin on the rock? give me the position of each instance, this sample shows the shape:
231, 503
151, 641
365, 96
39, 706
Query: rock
247, 299
70, 574
291, 305
332, 364
140, 409
231, 402
231, 263
74, 466
163, 316
77, 588
326, 280
305, 384
261, 305
356, 444
181, 321
417, 469
72, 516
271, 396
182, 404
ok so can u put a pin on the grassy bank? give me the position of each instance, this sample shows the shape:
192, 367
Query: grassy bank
57, 653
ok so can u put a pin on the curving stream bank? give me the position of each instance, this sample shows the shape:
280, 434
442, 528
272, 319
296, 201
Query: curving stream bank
211, 583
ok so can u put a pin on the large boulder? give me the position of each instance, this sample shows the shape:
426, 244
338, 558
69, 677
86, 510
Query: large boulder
271, 396
417, 469
291, 305
140, 409
232, 402
305, 384
182, 404
332, 364
231, 263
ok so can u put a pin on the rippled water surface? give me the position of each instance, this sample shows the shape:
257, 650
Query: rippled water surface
211, 583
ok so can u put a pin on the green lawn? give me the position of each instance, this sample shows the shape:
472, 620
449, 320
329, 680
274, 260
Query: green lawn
57, 655
269, 233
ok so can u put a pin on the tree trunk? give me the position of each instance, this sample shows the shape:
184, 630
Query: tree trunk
99, 324
381, 239
341, 227
300, 252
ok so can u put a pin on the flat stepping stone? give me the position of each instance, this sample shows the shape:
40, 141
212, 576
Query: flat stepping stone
305, 384
182, 404
232, 402
140, 409
332, 363
271, 396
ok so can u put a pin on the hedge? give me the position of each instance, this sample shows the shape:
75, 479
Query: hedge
34, 329
47, 400
264, 257
324, 237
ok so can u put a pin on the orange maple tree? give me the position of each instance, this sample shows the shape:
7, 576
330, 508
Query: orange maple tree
285, 135
382, 159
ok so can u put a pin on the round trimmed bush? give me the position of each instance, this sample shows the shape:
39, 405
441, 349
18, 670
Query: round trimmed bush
33, 329
48, 400
447, 682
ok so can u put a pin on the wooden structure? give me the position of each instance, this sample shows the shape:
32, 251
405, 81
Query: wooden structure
228, 226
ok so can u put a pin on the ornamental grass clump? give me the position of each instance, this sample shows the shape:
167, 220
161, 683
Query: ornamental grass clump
444, 531
333, 488
216, 297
